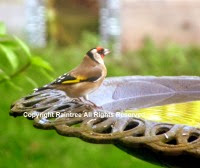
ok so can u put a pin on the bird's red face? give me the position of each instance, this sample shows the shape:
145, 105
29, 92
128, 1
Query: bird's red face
97, 54
102, 51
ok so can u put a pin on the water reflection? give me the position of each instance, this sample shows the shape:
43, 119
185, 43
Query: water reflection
183, 113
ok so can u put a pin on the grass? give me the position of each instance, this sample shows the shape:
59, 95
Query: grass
23, 145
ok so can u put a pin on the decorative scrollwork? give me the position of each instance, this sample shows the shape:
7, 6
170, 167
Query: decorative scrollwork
166, 142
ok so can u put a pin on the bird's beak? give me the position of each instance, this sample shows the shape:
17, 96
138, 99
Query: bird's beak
106, 51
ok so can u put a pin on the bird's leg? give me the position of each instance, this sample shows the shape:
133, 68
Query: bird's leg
77, 99
93, 104
86, 97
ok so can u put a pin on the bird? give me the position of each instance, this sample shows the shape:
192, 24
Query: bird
85, 78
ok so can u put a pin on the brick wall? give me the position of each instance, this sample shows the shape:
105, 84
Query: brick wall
162, 20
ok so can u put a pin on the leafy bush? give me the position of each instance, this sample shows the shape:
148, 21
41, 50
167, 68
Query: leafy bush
17, 61
21, 71
171, 59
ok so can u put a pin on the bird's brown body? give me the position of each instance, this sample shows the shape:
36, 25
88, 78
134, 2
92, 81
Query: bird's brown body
90, 68
85, 78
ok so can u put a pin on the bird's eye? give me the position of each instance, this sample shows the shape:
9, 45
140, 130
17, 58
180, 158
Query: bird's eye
101, 52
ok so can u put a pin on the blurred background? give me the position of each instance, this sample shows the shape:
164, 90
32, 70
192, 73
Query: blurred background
42, 39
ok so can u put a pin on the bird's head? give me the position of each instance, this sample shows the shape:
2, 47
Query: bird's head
97, 54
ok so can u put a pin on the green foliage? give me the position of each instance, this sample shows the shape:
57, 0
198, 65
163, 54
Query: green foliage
23, 145
16, 62
171, 59
2, 29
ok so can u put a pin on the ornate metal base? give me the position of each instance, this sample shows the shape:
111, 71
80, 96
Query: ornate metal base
161, 143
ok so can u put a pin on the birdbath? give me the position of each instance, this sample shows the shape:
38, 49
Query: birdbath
164, 143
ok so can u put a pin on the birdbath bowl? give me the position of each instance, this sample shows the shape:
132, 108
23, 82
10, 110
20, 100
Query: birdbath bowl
164, 143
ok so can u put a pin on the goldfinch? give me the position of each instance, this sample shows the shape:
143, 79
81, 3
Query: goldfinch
85, 78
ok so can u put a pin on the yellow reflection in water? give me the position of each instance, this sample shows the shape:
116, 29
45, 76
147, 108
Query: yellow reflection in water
183, 113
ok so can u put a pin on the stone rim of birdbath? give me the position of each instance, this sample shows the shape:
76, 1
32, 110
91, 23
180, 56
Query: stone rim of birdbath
171, 145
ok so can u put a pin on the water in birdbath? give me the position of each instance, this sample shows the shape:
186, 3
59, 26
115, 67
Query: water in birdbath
187, 113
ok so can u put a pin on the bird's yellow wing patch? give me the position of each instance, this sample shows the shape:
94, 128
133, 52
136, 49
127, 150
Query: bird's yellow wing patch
77, 80
71, 81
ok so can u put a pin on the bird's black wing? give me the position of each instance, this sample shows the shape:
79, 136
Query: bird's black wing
69, 79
